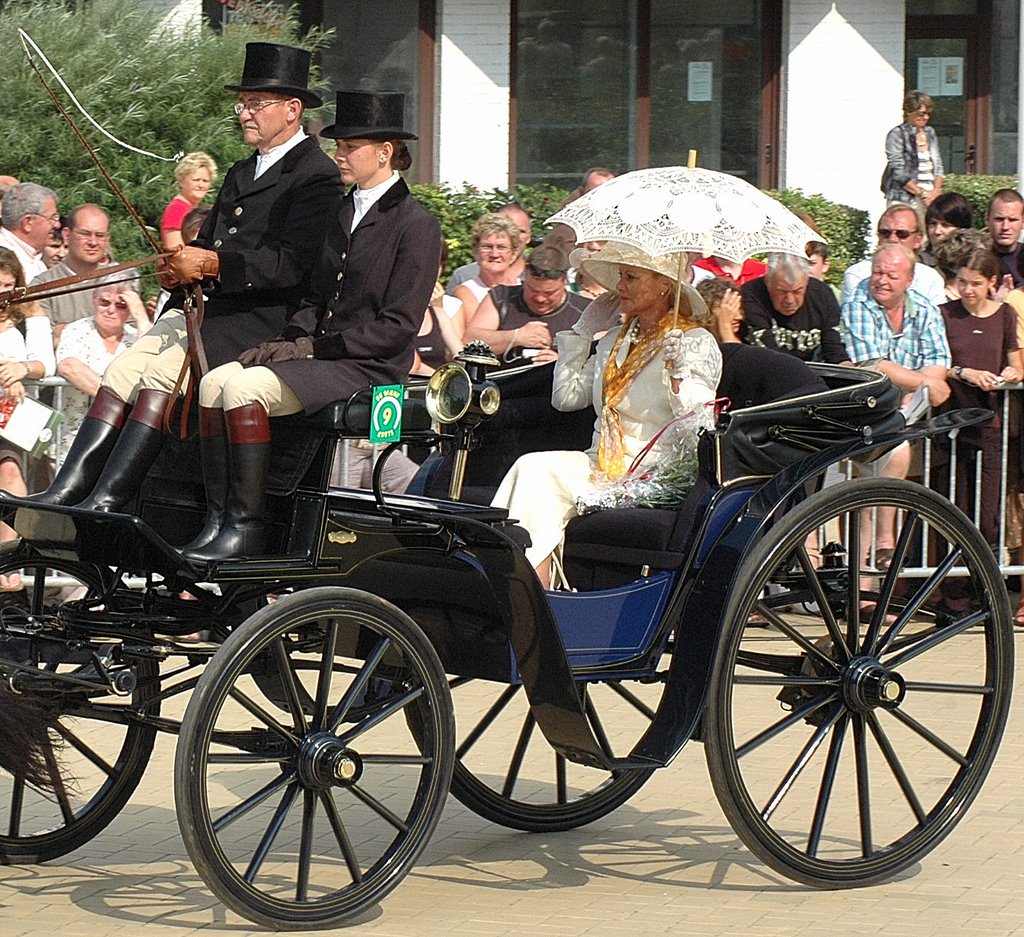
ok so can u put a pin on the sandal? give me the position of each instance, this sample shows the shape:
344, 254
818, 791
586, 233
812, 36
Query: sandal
1018, 616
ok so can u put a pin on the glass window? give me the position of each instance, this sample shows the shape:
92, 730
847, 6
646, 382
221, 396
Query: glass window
706, 84
575, 88
1005, 33
376, 48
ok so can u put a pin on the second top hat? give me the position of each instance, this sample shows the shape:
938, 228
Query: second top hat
277, 68
373, 115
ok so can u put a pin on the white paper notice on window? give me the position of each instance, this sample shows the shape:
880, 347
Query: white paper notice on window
698, 81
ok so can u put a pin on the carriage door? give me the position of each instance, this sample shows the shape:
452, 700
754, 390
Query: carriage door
946, 58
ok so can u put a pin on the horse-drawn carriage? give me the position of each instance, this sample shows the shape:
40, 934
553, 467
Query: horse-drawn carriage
325, 722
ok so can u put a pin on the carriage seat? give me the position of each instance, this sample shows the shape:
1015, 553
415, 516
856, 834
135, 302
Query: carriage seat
351, 418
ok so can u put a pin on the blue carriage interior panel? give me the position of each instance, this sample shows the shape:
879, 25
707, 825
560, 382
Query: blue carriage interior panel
610, 626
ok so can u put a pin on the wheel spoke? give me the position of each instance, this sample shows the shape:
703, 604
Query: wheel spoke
828, 778
253, 800
86, 751
38, 591
492, 713
59, 788
17, 802
341, 835
358, 684
270, 834
827, 616
630, 697
323, 687
937, 637
561, 786
798, 765
396, 821
930, 736
863, 786
853, 554
912, 608
306, 843
795, 636
889, 753
385, 712
899, 557
260, 713
791, 719
291, 685
594, 718
518, 753
969, 689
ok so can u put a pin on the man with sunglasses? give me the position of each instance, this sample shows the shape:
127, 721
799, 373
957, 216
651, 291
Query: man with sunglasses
899, 224
520, 322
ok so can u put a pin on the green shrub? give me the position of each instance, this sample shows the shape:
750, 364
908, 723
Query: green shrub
153, 88
846, 229
978, 190
457, 208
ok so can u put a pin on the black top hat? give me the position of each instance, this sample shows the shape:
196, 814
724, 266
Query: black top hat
375, 115
277, 68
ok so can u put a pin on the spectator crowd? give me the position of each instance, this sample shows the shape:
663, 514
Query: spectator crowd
938, 307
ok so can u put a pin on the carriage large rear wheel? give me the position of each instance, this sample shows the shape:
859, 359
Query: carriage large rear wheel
302, 795
856, 711
97, 751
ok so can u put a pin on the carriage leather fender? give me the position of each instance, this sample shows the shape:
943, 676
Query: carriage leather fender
703, 611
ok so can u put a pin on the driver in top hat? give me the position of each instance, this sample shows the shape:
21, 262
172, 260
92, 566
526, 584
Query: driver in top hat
355, 328
254, 254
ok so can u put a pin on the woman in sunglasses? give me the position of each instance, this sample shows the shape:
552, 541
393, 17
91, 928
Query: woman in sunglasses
913, 170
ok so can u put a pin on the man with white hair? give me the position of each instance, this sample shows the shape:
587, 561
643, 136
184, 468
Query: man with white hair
790, 311
29, 217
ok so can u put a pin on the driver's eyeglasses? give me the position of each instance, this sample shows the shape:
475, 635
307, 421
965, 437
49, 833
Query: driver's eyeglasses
254, 107
53, 219
541, 274
895, 232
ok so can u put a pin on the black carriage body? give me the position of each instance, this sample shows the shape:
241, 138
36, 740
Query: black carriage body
454, 568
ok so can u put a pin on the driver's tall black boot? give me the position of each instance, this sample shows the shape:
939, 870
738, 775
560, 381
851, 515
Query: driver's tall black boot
137, 447
89, 451
213, 451
243, 533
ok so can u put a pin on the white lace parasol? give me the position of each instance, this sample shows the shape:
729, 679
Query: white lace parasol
671, 208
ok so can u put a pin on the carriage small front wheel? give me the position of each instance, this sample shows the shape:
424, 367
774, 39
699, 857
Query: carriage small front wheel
302, 796
855, 710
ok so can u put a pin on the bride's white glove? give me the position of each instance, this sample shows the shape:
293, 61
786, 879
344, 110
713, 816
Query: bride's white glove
672, 354
601, 315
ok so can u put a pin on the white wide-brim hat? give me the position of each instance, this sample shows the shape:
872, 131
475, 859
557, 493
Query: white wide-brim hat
602, 266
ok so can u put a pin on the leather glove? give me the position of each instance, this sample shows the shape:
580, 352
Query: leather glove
672, 353
277, 350
164, 276
192, 264
602, 314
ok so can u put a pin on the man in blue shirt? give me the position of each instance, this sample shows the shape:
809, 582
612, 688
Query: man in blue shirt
894, 329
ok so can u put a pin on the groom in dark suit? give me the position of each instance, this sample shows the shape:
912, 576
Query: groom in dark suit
254, 255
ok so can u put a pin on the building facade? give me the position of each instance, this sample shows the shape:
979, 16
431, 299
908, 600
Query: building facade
796, 93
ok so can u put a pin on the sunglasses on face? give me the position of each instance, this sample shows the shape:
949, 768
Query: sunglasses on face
545, 274
895, 232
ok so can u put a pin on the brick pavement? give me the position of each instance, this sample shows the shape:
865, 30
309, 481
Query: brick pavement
666, 862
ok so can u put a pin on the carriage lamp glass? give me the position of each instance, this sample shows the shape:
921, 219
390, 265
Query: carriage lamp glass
449, 393
490, 399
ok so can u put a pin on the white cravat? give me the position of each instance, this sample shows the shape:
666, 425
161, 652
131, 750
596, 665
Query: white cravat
365, 199
275, 154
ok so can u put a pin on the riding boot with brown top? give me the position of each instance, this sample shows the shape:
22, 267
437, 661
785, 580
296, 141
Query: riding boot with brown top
213, 451
89, 451
244, 532
137, 447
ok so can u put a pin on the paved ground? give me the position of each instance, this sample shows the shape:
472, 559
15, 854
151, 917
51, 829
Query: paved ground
667, 862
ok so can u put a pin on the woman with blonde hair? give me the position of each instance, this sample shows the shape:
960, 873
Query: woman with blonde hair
495, 247
195, 174
647, 370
